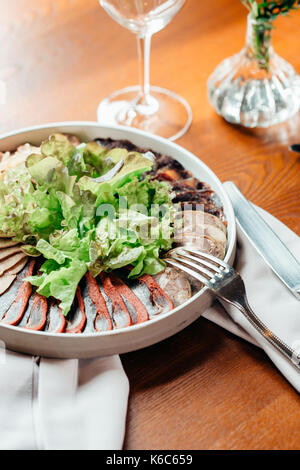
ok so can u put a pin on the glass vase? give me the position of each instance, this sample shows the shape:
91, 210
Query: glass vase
256, 87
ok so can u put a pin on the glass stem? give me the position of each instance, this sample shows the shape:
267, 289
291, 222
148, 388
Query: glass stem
145, 103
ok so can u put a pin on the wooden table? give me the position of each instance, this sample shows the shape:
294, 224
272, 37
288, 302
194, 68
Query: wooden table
203, 388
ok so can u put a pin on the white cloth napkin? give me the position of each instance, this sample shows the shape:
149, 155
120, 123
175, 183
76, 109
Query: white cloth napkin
48, 404
272, 302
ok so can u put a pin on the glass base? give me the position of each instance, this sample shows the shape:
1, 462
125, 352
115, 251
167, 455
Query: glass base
165, 113
243, 94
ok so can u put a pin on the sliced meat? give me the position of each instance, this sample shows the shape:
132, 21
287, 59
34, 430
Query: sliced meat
136, 308
204, 243
18, 157
6, 281
194, 218
73, 139
187, 195
163, 161
4, 155
7, 242
7, 252
112, 144
10, 262
17, 267
171, 174
190, 184
175, 284
197, 200
38, 313
76, 319
119, 311
202, 231
205, 204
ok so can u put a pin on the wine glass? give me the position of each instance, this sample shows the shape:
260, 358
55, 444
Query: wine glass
150, 108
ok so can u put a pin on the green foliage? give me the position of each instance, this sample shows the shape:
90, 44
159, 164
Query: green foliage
264, 13
270, 10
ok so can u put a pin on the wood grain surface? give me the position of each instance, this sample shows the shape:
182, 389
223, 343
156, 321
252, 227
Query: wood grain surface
203, 388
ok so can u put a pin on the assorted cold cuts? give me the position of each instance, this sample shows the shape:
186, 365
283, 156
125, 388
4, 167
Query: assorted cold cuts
112, 301
105, 303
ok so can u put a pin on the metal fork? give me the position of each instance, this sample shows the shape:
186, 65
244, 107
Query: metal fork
225, 283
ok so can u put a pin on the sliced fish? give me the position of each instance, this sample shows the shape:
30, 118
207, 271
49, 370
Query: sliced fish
76, 319
56, 321
16, 310
119, 311
96, 306
136, 308
38, 313
10, 295
158, 297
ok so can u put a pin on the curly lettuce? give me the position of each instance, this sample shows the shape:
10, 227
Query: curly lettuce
85, 208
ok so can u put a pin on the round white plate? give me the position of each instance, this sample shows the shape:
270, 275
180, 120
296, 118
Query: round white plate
63, 345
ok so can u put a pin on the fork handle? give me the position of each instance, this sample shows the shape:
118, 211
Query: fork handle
292, 354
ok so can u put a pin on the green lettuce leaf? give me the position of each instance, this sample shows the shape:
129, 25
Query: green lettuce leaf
58, 146
60, 283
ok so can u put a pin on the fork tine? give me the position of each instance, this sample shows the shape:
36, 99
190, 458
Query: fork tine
182, 258
183, 252
198, 266
187, 270
207, 256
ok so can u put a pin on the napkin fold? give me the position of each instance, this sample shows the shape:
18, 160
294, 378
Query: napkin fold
269, 298
82, 404
48, 404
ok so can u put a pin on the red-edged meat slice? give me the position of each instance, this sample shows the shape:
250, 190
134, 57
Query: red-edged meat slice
15, 312
120, 313
137, 309
157, 296
172, 175
190, 184
102, 320
38, 313
56, 321
76, 319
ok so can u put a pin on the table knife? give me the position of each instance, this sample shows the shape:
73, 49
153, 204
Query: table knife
265, 240
295, 148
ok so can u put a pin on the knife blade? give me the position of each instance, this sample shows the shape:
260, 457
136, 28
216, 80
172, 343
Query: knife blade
265, 240
295, 148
